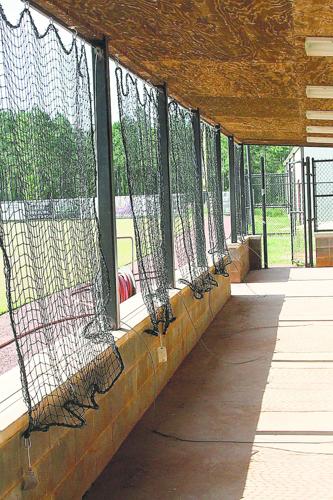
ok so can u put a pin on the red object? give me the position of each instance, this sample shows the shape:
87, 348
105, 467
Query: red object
126, 284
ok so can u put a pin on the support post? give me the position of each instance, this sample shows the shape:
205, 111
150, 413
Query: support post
242, 192
219, 171
291, 209
233, 211
305, 229
249, 164
197, 144
219, 160
167, 223
314, 195
264, 218
309, 206
105, 179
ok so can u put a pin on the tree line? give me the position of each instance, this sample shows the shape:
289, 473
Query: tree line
44, 157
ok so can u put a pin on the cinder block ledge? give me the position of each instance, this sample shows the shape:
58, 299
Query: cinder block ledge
240, 265
67, 461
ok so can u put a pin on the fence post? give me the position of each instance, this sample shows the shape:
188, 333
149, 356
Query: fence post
219, 161
249, 163
105, 178
309, 203
242, 192
304, 207
291, 210
264, 218
233, 211
167, 214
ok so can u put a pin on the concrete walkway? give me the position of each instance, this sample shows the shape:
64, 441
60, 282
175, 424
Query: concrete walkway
249, 412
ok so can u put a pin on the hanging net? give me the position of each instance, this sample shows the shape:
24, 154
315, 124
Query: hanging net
187, 195
140, 134
49, 232
214, 198
238, 190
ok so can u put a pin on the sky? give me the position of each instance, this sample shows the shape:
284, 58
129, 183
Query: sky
13, 8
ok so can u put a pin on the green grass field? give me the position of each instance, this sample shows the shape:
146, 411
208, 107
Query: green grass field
124, 228
279, 245
279, 252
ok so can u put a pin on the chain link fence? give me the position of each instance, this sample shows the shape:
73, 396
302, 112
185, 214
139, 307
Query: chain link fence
323, 194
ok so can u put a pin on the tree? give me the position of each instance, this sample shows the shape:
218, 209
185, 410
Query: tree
44, 157
121, 184
274, 156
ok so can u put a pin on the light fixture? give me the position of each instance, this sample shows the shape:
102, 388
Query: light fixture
314, 129
322, 140
319, 115
319, 46
319, 92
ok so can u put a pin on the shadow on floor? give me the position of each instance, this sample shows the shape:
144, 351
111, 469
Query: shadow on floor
273, 274
197, 441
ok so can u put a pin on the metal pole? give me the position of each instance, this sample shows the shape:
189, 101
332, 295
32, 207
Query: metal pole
314, 193
242, 191
309, 215
233, 211
304, 208
219, 160
219, 173
264, 218
105, 180
291, 211
202, 259
162, 110
249, 163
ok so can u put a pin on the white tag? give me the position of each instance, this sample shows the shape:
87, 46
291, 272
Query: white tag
162, 354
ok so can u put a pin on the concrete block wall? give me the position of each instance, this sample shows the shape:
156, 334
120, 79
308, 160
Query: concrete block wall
67, 461
324, 249
240, 265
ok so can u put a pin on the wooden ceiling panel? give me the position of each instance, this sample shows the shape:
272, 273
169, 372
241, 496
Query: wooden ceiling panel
249, 107
235, 78
241, 62
280, 129
313, 17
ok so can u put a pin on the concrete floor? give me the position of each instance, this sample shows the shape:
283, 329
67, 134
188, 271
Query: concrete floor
249, 412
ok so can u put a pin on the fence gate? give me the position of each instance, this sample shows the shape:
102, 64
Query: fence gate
322, 171
277, 215
297, 201
285, 214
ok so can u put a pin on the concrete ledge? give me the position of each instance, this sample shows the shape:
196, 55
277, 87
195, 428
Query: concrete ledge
67, 461
255, 252
240, 265
324, 249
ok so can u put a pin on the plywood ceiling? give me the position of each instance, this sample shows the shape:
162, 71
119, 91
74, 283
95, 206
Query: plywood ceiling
241, 62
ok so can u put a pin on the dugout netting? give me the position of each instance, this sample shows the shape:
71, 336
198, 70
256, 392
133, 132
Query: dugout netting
217, 246
138, 111
49, 229
187, 197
